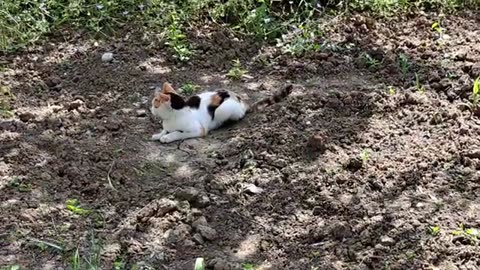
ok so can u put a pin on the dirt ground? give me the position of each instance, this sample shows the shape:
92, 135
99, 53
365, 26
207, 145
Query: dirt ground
343, 174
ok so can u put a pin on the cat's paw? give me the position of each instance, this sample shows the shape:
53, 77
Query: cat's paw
167, 138
157, 137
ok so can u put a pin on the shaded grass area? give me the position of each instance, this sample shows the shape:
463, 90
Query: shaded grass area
23, 23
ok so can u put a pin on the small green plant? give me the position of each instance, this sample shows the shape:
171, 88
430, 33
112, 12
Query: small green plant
391, 90
76, 260
177, 41
11, 267
475, 97
6, 97
420, 88
189, 88
434, 230
371, 62
248, 266
118, 264
365, 155
236, 72
436, 27
404, 64
199, 264
471, 234
74, 206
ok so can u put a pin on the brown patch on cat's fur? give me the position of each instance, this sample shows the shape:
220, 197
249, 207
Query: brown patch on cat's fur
276, 97
216, 100
160, 99
167, 88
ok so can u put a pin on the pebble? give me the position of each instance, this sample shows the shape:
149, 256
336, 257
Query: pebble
387, 241
207, 232
141, 113
107, 57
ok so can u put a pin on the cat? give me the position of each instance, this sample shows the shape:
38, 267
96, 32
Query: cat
195, 117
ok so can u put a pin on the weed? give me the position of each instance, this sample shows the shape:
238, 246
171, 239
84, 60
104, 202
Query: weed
236, 72
434, 230
118, 264
437, 28
15, 182
391, 90
11, 267
73, 205
420, 88
248, 266
371, 62
199, 264
189, 88
76, 260
6, 97
90, 262
404, 64
176, 40
365, 155
475, 97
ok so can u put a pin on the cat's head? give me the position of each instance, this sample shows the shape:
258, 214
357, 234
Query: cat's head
165, 101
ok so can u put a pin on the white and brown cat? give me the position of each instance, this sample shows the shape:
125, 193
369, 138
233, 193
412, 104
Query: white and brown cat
197, 115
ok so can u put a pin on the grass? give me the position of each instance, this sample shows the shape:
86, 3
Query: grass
74, 206
434, 230
23, 23
189, 88
91, 260
418, 85
475, 97
6, 98
236, 72
403, 64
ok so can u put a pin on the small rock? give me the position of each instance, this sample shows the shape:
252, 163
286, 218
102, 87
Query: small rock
322, 56
202, 201
197, 238
354, 164
53, 81
387, 241
340, 231
107, 57
180, 233
113, 125
75, 104
460, 55
317, 142
188, 194
317, 210
252, 189
472, 153
207, 232
200, 221
26, 116
141, 113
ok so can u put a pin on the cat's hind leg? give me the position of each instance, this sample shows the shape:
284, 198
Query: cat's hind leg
156, 137
179, 135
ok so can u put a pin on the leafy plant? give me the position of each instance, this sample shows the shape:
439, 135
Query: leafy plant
434, 230
475, 97
199, 264
74, 206
236, 72
420, 88
391, 90
365, 155
370, 61
6, 97
403, 64
189, 88
436, 26
248, 266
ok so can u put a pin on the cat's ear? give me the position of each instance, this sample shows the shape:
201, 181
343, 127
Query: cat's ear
167, 88
160, 99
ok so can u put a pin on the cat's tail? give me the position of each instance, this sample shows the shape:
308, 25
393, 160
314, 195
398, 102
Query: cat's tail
275, 98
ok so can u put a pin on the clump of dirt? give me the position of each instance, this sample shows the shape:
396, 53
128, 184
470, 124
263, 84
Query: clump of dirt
359, 167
